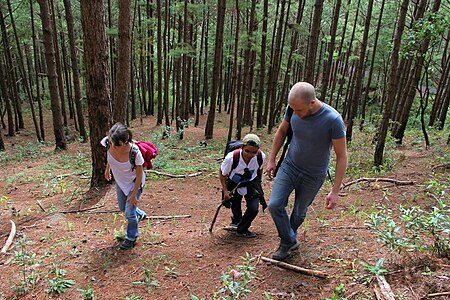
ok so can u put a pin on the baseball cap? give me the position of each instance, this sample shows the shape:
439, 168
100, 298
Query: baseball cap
252, 140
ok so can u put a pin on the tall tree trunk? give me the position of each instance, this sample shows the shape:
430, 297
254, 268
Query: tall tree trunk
37, 70
123, 63
58, 64
5, 95
419, 63
331, 46
382, 130
234, 79
313, 42
359, 74
150, 63
372, 63
167, 62
262, 66
159, 62
24, 73
97, 86
60, 139
75, 70
217, 69
112, 55
10, 74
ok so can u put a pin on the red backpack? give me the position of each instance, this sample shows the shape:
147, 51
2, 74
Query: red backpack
148, 151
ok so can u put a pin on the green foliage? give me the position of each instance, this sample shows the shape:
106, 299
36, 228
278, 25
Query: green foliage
88, 294
21, 153
119, 235
338, 292
235, 281
59, 284
149, 281
376, 269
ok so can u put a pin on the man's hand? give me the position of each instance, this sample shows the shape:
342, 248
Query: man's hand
226, 195
270, 168
331, 200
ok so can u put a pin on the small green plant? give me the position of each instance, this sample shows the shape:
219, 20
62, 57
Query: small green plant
69, 226
149, 280
59, 284
74, 252
338, 292
88, 294
235, 281
169, 271
119, 235
377, 269
132, 297
46, 238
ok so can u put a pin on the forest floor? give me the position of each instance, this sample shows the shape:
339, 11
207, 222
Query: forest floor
41, 191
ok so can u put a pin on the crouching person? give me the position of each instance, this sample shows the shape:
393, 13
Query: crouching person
240, 176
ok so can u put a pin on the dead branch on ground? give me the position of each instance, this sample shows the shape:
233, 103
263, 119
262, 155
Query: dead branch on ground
437, 295
82, 210
295, 268
367, 179
385, 288
174, 176
40, 205
10, 238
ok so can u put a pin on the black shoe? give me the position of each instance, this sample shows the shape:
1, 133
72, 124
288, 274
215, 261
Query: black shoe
127, 244
246, 234
283, 251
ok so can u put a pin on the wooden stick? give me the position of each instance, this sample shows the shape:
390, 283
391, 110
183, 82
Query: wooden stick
10, 238
385, 288
81, 210
168, 217
438, 294
172, 175
394, 181
295, 268
40, 205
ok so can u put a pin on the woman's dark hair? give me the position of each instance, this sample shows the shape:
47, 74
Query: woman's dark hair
119, 134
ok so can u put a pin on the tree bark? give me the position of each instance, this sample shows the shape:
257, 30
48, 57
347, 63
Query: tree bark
123, 63
382, 130
97, 85
217, 69
60, 139
75, 70
313, 42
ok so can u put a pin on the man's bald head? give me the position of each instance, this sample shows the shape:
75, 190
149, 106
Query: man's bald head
302, 91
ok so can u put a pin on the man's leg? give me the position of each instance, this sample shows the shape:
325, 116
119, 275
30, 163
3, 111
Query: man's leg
250, 214
236, 209
278, 201
305, 192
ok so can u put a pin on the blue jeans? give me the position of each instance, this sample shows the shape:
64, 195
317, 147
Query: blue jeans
306, 187
131, 213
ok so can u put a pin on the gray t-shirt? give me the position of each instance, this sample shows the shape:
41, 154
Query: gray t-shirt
312, 139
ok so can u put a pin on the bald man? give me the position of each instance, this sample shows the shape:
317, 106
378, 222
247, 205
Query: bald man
317, 127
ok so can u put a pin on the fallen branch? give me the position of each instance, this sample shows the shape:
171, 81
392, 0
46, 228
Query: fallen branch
366, 179
385, 288
82, 210
40, 205
10, 238
295, 268
168, 217
174, 176
438, 294
442, 166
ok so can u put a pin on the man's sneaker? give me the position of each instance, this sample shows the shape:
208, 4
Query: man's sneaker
141, 217
246, 234
283, 251
232, 227
127, 244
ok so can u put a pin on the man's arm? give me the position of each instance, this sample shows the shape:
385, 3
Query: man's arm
340, 148
223, 182
278, 141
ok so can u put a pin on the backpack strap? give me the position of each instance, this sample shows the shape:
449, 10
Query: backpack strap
236, 157
259, 157
132, 155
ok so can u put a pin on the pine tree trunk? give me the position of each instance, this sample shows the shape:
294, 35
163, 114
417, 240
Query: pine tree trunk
60, 139
217, 69
5, 95
359, 73
382, 130
313, 42
75, 70
123, 63
159, 50
97, 87
262, 67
